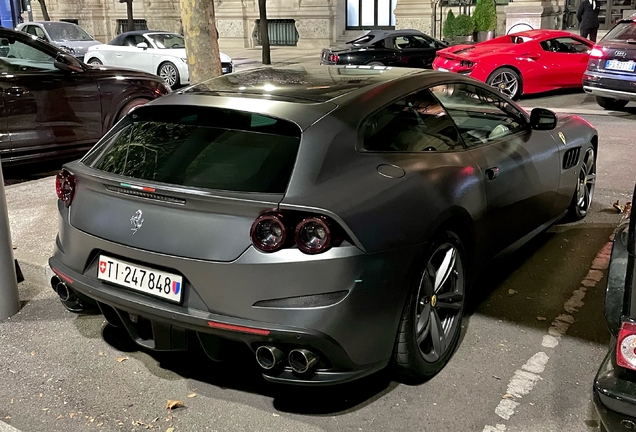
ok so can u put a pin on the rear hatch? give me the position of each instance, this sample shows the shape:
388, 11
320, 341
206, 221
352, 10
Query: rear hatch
464, 57
619, 50
187, 181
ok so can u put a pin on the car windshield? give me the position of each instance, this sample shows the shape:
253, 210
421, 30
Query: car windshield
167, 40
625, 31
66, 32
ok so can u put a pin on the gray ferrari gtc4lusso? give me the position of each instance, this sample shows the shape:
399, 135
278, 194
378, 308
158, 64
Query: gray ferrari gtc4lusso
327, 218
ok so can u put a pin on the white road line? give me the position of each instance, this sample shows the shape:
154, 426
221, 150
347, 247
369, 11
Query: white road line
8, 428
525, 379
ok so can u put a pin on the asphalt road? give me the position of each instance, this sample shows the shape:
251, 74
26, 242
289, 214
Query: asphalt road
532, 342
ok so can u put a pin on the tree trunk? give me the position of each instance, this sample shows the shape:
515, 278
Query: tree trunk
45, 12
129, 11
202, 45
262, 31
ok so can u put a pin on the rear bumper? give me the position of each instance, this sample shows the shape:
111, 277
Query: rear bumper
610, 85
285, 296
614, 396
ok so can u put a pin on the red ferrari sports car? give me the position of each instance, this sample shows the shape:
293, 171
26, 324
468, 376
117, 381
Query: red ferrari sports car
532, 61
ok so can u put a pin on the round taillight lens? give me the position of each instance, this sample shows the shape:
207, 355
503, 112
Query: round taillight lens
65, 187
313, 235
268, 232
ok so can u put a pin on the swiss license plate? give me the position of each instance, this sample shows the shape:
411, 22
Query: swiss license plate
143, 279
442, 69
628, 66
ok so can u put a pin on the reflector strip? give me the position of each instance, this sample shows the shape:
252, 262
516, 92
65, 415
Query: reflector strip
62, 276
141, 188
241, 329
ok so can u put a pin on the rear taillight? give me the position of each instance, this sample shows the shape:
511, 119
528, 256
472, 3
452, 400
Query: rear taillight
333, 58
465, 64
65, 187
597, 52
626, 346
313, 234
268, 232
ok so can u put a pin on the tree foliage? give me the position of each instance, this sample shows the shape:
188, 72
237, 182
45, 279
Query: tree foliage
449, 30
464, 25
485, 15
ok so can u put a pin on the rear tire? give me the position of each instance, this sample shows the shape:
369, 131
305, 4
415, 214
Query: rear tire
95, 61
584, 193
611, 104
430, 327
375, 63
506, 81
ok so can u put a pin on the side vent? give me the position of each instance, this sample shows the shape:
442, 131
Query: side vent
571, 158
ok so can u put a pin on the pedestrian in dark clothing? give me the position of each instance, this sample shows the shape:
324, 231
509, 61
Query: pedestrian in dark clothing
588, 18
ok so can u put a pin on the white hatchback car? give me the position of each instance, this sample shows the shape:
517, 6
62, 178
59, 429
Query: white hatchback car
158, 52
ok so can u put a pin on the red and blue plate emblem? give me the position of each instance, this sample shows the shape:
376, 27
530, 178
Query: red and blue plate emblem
176, 287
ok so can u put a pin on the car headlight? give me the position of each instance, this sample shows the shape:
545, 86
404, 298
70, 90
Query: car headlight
69, 50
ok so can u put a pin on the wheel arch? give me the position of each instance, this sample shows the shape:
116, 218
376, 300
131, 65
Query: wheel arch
458, 220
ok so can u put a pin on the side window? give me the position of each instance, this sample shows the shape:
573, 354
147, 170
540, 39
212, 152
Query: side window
25, 58
40, 33
402, 42
566, 45
30, 30
132, 41
480, 115
414, 124
421, 42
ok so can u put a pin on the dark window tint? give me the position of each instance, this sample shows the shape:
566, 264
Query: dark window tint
413, 124
480, 115
412, 42
565, 45
203, 148
18, 57
133, 40
625, 31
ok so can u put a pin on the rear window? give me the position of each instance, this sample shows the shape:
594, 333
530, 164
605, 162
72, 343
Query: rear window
624, 31
201, 147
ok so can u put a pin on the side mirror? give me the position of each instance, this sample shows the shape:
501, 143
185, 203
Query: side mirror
67, 63
142, 45
542, 119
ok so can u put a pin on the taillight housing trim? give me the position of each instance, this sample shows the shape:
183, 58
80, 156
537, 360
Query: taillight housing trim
65, 187
626, 346
334, 58
597, 52
322, 222
275, 218
292, 223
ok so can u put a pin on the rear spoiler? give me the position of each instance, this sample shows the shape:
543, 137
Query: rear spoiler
446, 53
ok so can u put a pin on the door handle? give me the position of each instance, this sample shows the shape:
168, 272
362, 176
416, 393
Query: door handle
492, 173
531, 56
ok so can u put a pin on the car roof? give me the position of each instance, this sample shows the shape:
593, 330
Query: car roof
119, 38
383, 34
312, 83
45, 23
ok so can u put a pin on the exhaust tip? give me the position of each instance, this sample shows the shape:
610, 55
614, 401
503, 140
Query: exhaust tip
63, 291
268, 357
302, 360
54, 281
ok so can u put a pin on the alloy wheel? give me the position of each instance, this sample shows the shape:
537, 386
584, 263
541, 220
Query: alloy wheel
506, 83
169, 74
440, 301
587, 181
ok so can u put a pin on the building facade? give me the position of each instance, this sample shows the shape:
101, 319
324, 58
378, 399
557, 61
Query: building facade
313, 24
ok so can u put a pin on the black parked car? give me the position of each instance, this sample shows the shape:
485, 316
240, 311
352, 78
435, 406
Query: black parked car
409, 48
56, 106
615, 383
611, 69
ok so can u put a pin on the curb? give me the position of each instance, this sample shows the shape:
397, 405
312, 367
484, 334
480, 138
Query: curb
4, 427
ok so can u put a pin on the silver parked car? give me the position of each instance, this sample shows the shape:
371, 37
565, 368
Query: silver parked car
328, 218
68, 36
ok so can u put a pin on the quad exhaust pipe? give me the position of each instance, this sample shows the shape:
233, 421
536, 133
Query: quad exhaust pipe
302, 360
269, 357
62, 290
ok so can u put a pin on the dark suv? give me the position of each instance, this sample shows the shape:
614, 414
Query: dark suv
611, 69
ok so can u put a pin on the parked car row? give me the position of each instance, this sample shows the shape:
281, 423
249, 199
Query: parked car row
522, 63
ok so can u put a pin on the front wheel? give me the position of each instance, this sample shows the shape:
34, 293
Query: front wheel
611, 104
584, 192
375, 63
95, 61
431, 320
506, 81
170, 74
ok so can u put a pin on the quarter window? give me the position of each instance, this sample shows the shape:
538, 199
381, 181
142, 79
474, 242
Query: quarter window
480, 115
20, 57
414, 124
